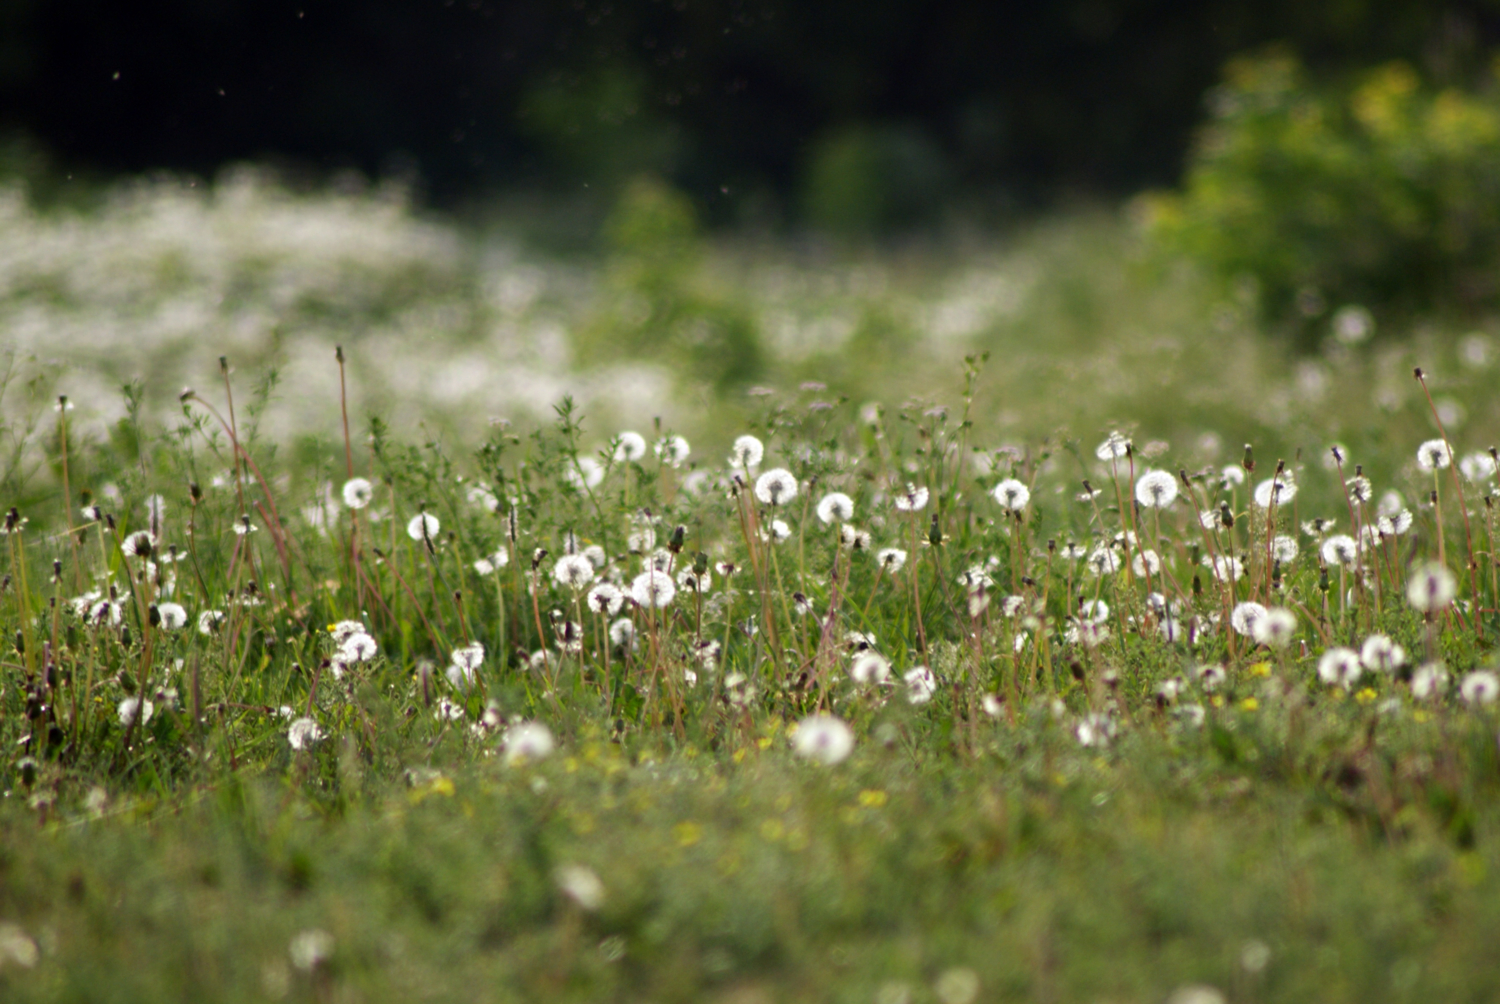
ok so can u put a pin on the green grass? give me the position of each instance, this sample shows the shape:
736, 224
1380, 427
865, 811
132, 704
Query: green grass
1076, 811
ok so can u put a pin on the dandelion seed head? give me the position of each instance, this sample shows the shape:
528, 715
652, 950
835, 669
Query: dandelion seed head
1245, 617
1012, 494
303, 733
835, 507
358, 493
1431, 587
1434, 455
141, 544
1429, 681
359, 647
1340, 550
776, 487
606, 599
1276, 628
1380, 654
173, 616
652, 589
1278, 490
823, 739
911, 498
423, 526
746, 453
527, 742
892, 559
573, 571
1477, 467
1115, 446
630, 447
673, 450
622, 633
129, 707
1095, 730
1103, 560
921, 685
1156, 489
1340, 667
1480, 687
869, 668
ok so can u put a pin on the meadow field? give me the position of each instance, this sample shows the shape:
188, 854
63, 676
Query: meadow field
404, 608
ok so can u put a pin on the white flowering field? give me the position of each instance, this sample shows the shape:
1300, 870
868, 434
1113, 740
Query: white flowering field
1020, 622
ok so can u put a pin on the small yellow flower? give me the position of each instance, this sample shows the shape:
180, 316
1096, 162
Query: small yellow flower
1249, 704
1217, 700
1261, 669
1365, 695
764, 742
739, 754
872, 798
687, 833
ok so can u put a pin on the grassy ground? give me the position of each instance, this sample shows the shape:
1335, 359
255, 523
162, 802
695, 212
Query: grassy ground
404, 741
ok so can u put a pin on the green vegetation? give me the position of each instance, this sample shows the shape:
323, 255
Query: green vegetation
871, 709
994, 667
1381, 193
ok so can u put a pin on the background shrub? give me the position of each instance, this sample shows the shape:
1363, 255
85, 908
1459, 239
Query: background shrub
1381, 192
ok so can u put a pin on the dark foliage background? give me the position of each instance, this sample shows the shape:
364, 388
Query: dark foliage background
738, 95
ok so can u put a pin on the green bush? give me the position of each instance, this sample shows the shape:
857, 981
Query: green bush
1381, 192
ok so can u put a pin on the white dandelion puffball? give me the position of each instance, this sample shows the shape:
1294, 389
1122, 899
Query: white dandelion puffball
1278, 490
629, 447
358, 492
128, 707
423, 526
746, 453
1380, 654
652, 589
892, 559
1434, 455
1480, 687
172, 615
911, 498
1275, 628
1340, 667
776, 487
310, 949
358, 647
528, 741
574, 571
1245, 617
1012, 494
302, 733
869, 668
673, 450
1103, 560
1429, 681
1113, 448
1341, 550
470, 657
921, 685
1156, 489
823, 738
1431, 587
1477, 467
606, 598
582, 885
835, 507
209, 621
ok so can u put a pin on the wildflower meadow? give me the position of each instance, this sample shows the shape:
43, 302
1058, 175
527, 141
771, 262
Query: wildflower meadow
796, 695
